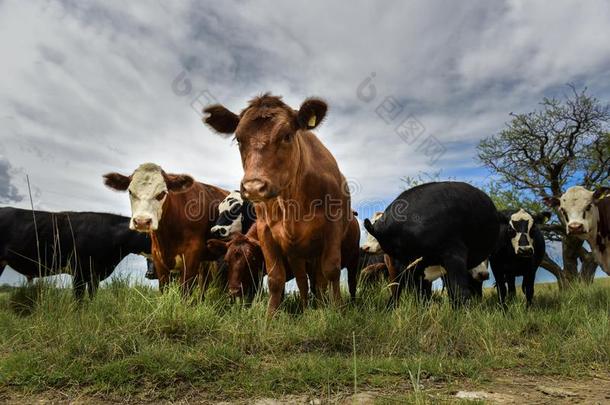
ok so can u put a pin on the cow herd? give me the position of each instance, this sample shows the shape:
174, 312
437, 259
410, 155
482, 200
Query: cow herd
292, 219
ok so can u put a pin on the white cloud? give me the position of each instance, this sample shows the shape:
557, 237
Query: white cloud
87, 86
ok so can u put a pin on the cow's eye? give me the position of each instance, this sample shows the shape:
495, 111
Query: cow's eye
564, 213
161, 195
512, 233
287, 138
588, 207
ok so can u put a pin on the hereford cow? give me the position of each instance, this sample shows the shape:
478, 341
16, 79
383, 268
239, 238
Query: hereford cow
519, 252
178, 213
301, 199
235, 215
448, 224
587, 216
88, 245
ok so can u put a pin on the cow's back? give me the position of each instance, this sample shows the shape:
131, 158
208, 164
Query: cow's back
33, 247
432, 217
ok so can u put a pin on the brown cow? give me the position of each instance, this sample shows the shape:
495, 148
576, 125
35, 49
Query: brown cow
300, 196
245, 261
178, 213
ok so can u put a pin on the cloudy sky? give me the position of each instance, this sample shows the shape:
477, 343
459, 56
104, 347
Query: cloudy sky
90, 87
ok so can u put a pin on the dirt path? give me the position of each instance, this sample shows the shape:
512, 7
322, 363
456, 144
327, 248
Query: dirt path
506, 388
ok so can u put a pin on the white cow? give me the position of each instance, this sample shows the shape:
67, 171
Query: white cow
587, 216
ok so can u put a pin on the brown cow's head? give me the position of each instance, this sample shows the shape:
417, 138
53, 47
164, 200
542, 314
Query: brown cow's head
244, 258
148, 187
267, 132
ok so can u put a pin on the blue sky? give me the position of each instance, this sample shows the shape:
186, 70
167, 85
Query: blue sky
95, 86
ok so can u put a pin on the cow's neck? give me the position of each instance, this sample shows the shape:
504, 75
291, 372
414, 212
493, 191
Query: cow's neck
293, 196
169, 231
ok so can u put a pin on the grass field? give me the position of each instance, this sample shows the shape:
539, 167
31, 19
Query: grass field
131, 343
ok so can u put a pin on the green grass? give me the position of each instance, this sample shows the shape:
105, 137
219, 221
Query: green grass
131, 342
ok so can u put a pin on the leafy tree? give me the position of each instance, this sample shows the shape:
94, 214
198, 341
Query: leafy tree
542, 153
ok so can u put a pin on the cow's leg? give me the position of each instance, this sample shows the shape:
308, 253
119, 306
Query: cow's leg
499, 273
424, 289
79, 284
510, 281
3, 264
276, 269
151, 273
528, 286
298, 268
93, 284
457, 277
330, 262
476, 288
352, 278
204, 278
395, 281
194, 267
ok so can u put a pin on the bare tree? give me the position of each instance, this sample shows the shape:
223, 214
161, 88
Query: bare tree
541, 153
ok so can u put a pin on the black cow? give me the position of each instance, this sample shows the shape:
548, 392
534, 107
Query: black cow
235, 214
448, 224
519, 252
88, 244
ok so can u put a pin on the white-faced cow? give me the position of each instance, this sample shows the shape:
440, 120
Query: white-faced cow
519, 252
587, 216
178, 213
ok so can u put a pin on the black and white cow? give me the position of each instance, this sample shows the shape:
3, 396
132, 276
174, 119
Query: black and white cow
88, 245
519, 252
448, 224
235, 215
371, 246
587, 216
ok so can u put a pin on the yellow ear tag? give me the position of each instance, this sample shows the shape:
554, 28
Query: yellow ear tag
312, 122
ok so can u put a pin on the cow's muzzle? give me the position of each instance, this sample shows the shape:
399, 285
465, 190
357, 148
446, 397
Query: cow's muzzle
257, 190
142, 224
219, 232
525, 251
576, 228
235, 292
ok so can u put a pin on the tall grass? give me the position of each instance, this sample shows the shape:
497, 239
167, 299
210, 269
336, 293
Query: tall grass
132, 341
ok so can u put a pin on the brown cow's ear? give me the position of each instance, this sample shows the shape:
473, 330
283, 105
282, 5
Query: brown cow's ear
552, 202
217, 246
178, 182
601, 193
311, 113
220, 119
117, 181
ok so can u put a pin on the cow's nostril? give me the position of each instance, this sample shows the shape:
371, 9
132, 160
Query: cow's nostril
142, 223
254, 188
